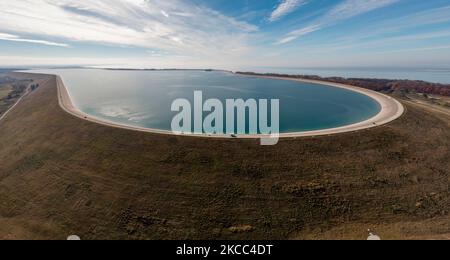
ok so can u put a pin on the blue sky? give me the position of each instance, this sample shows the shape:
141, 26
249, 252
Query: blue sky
226, 34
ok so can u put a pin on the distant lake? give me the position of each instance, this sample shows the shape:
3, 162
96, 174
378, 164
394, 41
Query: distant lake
144, 98
430, 75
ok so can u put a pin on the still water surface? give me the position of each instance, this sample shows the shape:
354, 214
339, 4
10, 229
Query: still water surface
144, 98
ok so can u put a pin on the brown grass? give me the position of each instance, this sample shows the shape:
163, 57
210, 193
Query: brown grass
60, 176
4, 90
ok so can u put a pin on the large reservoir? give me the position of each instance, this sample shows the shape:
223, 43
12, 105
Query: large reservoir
144, 98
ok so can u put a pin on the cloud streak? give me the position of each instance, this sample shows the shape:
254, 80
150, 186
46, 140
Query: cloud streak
297, 33
284, 8
343, 11
352, 8
15, 38
175, 26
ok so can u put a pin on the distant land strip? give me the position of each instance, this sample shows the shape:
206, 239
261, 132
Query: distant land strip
380, 85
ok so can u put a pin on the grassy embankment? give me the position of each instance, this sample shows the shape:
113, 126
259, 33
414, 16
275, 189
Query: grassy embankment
60, 175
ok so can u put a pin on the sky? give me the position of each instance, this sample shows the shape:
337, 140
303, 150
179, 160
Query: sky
225, 34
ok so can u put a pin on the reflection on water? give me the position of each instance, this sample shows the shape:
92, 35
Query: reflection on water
144, 98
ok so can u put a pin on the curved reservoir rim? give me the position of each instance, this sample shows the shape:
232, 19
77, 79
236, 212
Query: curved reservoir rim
395, 110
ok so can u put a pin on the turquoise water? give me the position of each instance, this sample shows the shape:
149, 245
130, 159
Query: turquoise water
144, 98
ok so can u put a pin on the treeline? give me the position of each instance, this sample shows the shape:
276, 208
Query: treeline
6, 80
17, 91
18, 87
382, 85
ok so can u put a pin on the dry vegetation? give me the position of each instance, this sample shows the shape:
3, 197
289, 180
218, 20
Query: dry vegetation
11, 89
5, 89
60, 175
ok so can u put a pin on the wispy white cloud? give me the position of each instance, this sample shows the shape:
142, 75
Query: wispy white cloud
165, 14
179, 33
422, 18
191, 28
343, 11
15, 38
387, 44
297, 33
352, 8
284, 8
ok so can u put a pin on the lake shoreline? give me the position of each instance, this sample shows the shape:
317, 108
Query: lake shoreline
391, 109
